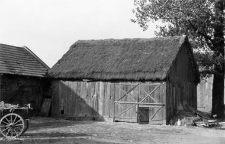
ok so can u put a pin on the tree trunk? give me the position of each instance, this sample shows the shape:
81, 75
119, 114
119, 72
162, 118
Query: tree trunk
218, 81
218, 96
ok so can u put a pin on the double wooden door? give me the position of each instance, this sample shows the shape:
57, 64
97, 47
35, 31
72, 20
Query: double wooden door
139, 102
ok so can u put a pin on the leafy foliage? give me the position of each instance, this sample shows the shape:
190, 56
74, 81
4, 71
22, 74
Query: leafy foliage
201, 20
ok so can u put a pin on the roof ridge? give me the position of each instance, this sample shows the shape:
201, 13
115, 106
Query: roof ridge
152, 38
10, 45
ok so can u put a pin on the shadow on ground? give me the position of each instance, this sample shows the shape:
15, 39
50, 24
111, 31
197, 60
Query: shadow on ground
54, 135
56, 141
56, 138
41, 123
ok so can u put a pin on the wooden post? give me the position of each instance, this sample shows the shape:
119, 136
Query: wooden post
165, 94
137, 108
0, 87
108, 99
100, 98
114, 104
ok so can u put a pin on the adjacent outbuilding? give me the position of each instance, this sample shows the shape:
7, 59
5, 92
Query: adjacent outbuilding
138, 80
22, 76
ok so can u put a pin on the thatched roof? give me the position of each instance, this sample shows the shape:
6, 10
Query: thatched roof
21, 61
119, 59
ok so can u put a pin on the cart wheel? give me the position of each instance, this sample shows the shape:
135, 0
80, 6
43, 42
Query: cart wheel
11, 125
26, 122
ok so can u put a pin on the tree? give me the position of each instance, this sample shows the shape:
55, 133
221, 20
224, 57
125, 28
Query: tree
203, 22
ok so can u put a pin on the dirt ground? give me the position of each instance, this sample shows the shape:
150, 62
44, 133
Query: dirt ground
58, 131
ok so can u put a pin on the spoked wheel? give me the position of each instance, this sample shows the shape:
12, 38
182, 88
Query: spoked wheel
26, 123
11, 125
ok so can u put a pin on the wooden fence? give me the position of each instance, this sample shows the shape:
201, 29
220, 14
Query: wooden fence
204, 94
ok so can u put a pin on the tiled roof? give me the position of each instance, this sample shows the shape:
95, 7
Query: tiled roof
21, 61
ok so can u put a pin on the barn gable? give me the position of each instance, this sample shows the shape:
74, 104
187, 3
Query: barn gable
124, 59
184, 67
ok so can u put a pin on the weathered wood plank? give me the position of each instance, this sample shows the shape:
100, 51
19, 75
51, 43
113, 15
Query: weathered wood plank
139, 103
100, 98
46, 107
164, 95
0, 87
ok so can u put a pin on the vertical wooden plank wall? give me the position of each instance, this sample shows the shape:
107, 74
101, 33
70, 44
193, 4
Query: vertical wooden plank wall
184, 93
82, 99
55, 99
181, 87
96, 99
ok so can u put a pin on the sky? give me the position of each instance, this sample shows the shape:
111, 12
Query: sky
50, 27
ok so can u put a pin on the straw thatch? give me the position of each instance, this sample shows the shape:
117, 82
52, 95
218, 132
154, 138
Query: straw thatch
119, 59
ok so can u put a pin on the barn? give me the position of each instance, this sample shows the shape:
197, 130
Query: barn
22, 76
135, 80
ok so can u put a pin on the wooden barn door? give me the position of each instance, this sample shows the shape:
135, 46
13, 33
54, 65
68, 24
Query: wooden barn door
139, 102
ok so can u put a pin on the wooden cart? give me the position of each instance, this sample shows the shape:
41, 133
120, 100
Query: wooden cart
14, 120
